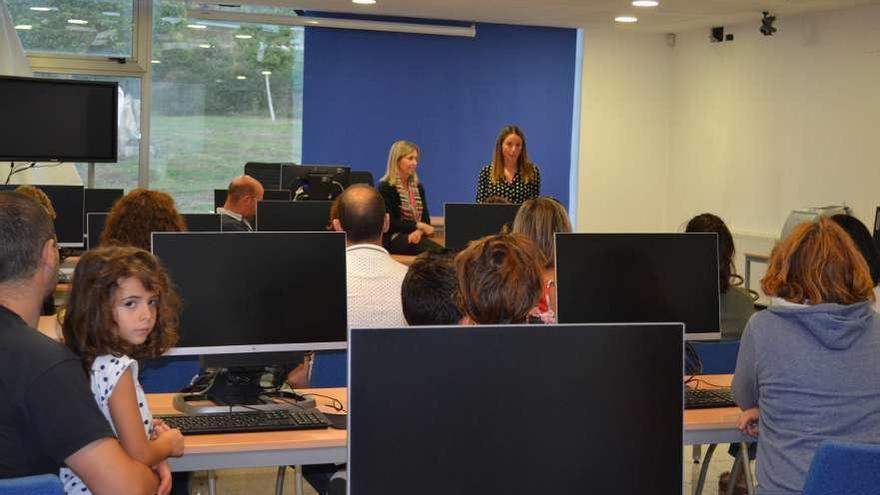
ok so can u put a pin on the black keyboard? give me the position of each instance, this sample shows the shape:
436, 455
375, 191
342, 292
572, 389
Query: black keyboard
705, 398
248, 421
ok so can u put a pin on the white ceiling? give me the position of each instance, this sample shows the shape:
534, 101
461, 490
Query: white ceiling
671, 16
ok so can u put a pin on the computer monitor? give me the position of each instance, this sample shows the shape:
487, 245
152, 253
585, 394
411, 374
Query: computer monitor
94, 226
616, 278
100, 200
202, 222
68, 204
515, 409
268, 194
315, 182
467, 222
268, 174
257, 292
293, 215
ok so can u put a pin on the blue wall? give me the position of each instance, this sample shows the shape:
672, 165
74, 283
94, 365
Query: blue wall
363, 90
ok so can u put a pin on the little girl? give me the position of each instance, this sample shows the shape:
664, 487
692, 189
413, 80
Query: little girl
123, 307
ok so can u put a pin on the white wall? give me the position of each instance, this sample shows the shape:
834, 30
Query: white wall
747, 129
625, 135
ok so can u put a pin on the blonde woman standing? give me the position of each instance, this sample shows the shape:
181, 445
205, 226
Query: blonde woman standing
405, 202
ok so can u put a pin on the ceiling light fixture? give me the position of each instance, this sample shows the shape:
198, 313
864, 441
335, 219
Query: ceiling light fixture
41, 9
626, 19
156, 61
364, 2
111, 14
266, 73
77, 21
243, 36
23, 27
645, 3
197, 26
204, 45
241, 78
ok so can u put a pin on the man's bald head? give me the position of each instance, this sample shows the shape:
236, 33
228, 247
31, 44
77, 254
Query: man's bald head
360, 212
243, 194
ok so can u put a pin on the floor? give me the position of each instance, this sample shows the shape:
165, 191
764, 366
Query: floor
262, 480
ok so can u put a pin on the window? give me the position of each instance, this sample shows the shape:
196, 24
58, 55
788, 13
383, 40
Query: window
222, 94
102, 28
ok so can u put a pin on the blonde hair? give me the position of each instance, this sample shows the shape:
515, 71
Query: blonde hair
818, 263
540, 218
399, 150
525, 167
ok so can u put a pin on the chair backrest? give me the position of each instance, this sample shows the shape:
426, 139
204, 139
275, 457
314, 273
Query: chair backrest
168, 373
718, 357
329, 369
840, 468
360, 177
41, 484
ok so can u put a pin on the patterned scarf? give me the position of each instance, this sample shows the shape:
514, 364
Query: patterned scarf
410, 201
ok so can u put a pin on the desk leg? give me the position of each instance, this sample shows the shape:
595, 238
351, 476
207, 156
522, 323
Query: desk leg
744, 455
279, 480
212, 482
298, 480
704, 469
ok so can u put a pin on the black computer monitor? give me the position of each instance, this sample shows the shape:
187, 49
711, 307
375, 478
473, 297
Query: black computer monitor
515, 409
94, 226
202, 222
268, 194
68, 204
268, 174
315, 182
293, 215
615, 278
257, 292
465, 222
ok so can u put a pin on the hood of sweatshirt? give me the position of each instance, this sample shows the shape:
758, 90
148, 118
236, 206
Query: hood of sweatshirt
836, 326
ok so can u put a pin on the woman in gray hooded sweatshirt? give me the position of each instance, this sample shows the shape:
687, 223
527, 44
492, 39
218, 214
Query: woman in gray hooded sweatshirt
808, 366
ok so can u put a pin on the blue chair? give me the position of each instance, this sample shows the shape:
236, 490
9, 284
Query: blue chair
168, 373
719, 357
329, 369
41, 484
844, 468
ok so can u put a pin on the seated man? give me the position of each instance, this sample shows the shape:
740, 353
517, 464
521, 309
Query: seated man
429, 291
372, 276
48, 416
241, 204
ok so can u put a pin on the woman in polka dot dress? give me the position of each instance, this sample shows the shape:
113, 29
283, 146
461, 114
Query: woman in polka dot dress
122, 308
510, 175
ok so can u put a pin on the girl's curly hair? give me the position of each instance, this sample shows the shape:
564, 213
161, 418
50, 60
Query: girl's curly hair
89, 327
139, 213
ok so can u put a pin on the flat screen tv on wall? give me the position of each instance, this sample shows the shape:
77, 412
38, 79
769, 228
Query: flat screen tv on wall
58, 120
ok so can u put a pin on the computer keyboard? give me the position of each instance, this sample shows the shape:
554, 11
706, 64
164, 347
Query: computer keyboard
248, 421
705, 398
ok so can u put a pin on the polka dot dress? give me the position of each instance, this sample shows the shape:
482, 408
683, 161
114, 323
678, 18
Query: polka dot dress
515, 191
106, 371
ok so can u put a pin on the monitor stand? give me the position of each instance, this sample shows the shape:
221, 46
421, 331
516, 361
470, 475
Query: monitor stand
239, 389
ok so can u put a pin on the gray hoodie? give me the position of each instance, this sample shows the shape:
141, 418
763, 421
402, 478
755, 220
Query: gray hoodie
814, 372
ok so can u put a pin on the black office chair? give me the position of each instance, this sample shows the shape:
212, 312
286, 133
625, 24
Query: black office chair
360, 177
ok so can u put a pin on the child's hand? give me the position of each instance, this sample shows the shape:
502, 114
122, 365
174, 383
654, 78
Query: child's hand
164, 473
159, 427
174, 439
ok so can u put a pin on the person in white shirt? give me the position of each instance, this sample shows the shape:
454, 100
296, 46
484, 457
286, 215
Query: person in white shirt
373, 277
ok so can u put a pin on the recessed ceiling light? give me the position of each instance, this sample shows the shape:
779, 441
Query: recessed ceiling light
312, 22
111, 14
77, 21
41, 9
24, 27
364, 2
645, 3
241, 78
243, 36
197, 26
156, 61
626, 19
204, 45
266, 73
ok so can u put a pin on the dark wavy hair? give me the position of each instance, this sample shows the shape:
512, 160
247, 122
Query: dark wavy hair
523, 164
864, 242
708, 222
499, 278
89, 326
139, 213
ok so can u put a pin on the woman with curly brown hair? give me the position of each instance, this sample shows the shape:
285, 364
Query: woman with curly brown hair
807, 367
500, 279
139, 213
123, 307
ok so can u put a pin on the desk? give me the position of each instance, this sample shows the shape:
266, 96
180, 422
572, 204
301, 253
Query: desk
706, 426
277, 448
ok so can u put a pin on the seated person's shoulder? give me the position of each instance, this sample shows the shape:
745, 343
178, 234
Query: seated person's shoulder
27, 349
